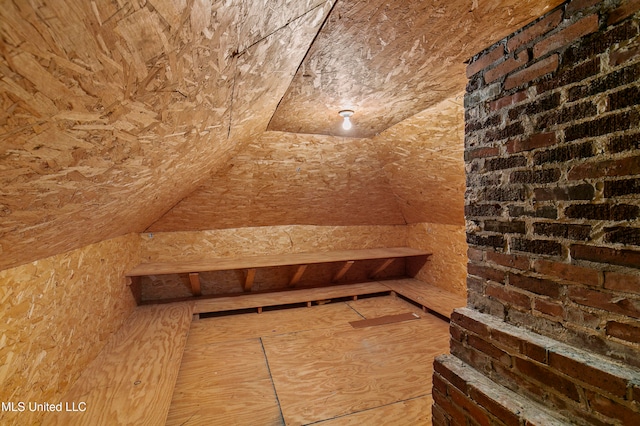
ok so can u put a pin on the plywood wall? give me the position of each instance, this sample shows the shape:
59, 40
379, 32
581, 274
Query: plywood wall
172, 246
423, 159
285, 179
447, 266
114, 111
55, 316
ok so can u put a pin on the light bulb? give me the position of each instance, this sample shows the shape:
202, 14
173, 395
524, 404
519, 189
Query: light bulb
346, 114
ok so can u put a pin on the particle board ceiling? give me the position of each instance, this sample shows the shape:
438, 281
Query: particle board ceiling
112, 112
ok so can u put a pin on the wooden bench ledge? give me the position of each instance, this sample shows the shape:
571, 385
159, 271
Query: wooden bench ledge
249, 262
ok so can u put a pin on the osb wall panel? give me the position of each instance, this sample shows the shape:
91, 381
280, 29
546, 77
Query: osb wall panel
447, 266
114, 111
285, 179
389, 60
175, 246
423, 158
56, 314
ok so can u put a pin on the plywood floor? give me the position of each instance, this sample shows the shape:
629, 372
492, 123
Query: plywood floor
310, 366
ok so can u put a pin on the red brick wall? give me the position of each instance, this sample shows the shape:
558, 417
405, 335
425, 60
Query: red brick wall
553, 176
552, 152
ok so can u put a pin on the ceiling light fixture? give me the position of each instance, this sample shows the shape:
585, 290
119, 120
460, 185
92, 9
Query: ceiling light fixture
346, 114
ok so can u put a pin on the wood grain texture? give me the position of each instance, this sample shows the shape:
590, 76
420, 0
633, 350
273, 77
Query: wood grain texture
447, 267
320, 375
430, 296
113, 112
270, 323
56, 315
132, 379
266, 240
287, 179
224, 383
247, 301
411, 412
391, 60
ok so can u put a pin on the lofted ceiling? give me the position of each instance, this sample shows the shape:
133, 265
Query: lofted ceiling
112, 112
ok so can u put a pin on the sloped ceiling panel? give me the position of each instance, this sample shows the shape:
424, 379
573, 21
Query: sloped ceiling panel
423, 159
389, 60
286, 179
113, 112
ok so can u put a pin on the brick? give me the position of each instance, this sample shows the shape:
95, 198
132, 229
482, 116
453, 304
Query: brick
617, 78
474, 254
509, 131
615, 303
486, 272
626, 142
482, 95
577, 5
623, 331
548, 378
550, 308
470, 408
456, 333
535, 176
551, 248
538, 106
508, 260
540, 140
624, 98
622, 167
472, 154
508, 100
472, 126
570, 74
568, 272
535, 30
439, 418
565, 193
620, 188
501, 227
572, 113
538, 69
489, 349
470, 324
506, 416
511, 193
622, 282
566, 36
597, 377
606, 211
510, 297
534, 352
563, 153
485, 60
622, 235
573, 232
606, 255
535, 285
624, 54
601, 126
547, 212
624, 11
612, 409
509, 341
504, 163
476, 210
475, 285
504, 68
493, 241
